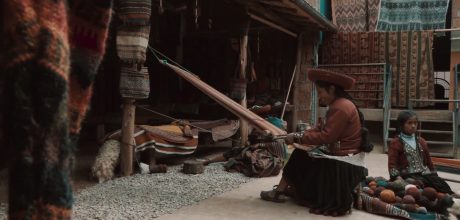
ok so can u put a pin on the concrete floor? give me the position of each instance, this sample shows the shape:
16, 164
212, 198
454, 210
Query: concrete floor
245, 203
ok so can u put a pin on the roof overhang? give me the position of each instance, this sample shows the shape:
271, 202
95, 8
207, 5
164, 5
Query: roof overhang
293, 15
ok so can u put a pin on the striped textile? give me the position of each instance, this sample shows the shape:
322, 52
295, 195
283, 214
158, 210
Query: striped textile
164, 139
133, 30
412, 15
377, 206
134, 83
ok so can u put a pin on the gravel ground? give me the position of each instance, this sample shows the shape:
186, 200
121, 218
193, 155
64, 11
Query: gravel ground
2, 211
146, 196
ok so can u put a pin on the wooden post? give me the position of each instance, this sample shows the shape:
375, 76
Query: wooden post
302, 87
244, 129
127, 135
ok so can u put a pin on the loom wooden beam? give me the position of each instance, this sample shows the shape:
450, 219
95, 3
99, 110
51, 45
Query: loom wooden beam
127, 137
258, 122
244, 129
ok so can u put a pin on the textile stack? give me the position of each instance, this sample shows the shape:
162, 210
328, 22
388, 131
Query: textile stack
51, 53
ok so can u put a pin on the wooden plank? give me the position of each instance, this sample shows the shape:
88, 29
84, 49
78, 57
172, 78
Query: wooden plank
446, 162
127, 137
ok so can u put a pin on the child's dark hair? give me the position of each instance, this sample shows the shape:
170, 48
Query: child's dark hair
402, 118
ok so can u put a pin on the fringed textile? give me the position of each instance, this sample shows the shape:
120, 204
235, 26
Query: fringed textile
355, 15
412, 15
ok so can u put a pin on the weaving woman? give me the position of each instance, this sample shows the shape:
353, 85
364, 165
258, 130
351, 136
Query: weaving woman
327, 164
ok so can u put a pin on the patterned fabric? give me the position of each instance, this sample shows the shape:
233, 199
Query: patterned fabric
165, 139
409, 54
373, 9
89, 23
39, 40
350, 15
377, 206
355, 15
134, 83
132, 41
133, 31
412, 15
415, 161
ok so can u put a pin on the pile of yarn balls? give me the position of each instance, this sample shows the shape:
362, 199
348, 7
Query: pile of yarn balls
408, 194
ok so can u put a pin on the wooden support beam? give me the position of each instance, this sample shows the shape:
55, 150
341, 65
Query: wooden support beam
244, 128
267, 14
127, 137
271, 24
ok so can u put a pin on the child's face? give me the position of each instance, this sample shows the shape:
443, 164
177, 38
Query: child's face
410, 127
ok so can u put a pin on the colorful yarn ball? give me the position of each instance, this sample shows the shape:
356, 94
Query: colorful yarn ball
410, 180
372, 183
382, 183
401, 193
398, 199
388, 196
373, 187
423, 201
414, 192
380, 178
408, 186
430, 193
395, 186
408, 199
440, 195
370, 192
378, 190
369, 179
422, 210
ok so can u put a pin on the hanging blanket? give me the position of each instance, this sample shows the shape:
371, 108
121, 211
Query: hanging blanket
355, 15
409, 54
412, 15
41, 42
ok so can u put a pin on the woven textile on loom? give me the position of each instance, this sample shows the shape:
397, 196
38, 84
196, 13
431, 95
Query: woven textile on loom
132, 41
412, 15
409, 54
46, 98
355, 15
164, 139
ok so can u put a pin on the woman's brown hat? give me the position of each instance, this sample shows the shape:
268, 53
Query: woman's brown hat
342, 80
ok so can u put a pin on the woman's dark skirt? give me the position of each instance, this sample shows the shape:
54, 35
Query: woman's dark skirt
432, 180
323, 184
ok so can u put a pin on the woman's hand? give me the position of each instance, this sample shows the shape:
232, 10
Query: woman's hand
293, 138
